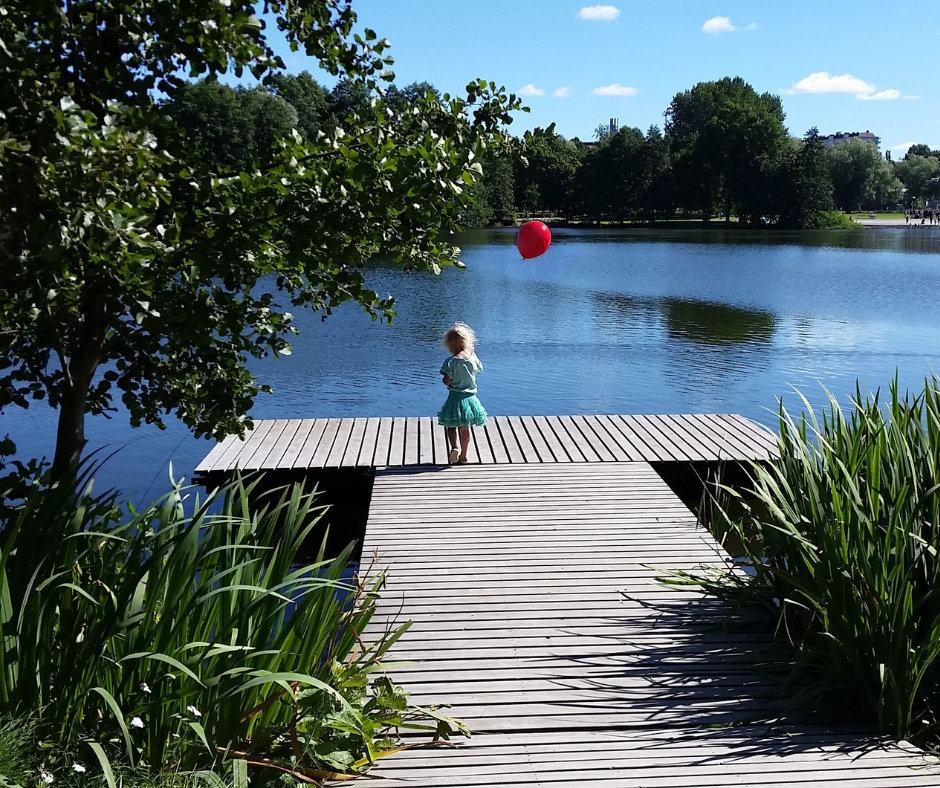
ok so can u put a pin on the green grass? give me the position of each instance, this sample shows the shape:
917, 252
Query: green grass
841, 537
878, 214
192, 637
836, 220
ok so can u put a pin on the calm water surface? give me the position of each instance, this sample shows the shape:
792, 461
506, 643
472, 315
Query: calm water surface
606, 322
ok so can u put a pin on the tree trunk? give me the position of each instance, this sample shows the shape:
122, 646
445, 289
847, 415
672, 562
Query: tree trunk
84, 362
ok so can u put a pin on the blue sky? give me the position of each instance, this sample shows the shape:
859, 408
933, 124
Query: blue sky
839, 66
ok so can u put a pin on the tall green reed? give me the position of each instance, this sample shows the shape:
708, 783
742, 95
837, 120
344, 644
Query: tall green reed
192, 633
840, 538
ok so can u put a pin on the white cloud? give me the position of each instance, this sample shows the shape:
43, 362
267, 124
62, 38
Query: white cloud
602, 13
531, 90
723, 24
882, 95
615, 89
824, 82
903, 146
718, 24
562, 92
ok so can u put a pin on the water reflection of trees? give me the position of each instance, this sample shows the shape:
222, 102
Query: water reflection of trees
920, 240
701, 322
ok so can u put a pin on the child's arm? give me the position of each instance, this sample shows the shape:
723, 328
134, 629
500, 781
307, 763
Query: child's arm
446, 380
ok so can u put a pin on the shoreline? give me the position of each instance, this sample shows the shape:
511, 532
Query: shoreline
894, 224
697, 224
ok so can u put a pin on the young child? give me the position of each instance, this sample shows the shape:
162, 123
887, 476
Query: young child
462, 409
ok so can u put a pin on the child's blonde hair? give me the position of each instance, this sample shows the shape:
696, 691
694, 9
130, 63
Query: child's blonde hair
460, 337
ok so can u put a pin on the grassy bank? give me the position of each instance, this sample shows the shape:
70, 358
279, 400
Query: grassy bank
841, 542
190, 642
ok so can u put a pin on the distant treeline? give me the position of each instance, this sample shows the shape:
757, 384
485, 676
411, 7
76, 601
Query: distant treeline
724, 151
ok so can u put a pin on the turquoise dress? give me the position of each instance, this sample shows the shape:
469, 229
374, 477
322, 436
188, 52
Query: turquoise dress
462, 408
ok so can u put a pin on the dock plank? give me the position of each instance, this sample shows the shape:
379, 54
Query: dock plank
639, 437
340, 442
482, 453
325, 444
596, 439
439, 443
396, 445
350, 457
735, 444
251, 443
367, 449
293, 449
759, 437
513, 449
273, 460
311, 444
425, 441
505, 440
383, 441
215, 454
534, 435
551, 439
537, 614
412, 447
221, 456
672, 444
257, 458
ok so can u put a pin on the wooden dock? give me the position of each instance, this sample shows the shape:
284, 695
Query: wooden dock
297, 444
538, 615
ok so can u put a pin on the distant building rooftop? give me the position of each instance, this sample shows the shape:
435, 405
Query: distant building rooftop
840, 137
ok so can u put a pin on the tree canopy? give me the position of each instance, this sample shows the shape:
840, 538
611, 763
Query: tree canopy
852, 166
131, 266
726, 141
918, 174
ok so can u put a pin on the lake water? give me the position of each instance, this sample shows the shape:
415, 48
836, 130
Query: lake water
633, 321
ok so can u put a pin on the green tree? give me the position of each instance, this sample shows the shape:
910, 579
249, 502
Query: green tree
727, 142
920, 150
269, 117
589, 190
231, 127
852, 167
401, 99
886, 186
350, 99
127, 266
309, 100
215, 123
660, 198
804, 187
918, 174
497, 183
544, 170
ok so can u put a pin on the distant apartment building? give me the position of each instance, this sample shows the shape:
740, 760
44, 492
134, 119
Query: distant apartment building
840, 137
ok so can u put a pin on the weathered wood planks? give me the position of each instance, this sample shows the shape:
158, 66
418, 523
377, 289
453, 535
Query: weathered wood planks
537, 614
284, 444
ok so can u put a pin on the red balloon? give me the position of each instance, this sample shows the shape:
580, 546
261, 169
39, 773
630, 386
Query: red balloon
533, 239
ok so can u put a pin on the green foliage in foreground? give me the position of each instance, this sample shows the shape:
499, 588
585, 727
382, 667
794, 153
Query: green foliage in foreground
190, 638
841, 547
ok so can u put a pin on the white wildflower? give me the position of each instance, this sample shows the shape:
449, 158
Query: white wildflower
145, 687
137, 722
46, 777
194, 711
77, 767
